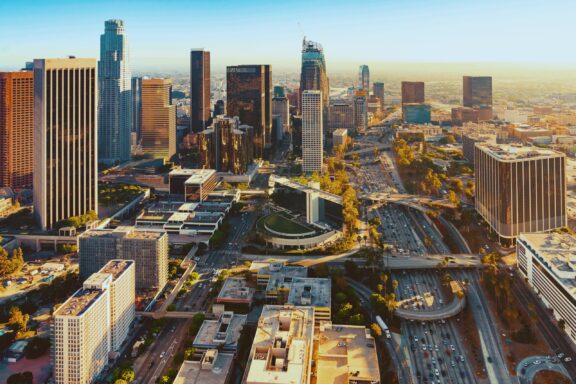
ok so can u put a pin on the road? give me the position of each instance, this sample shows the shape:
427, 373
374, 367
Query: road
489, 335
530, 366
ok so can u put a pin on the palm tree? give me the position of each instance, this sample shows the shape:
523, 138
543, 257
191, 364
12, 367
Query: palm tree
394, 285
384, 278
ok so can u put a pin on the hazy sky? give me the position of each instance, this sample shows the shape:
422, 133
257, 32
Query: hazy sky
352, 32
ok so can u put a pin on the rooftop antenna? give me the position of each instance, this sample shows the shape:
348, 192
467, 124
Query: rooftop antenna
302, 33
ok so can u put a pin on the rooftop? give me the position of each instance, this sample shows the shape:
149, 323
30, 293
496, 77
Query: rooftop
212, 369
223, 332
282, 347
81, 300
340, 132
235, 290
305, 188
346, 353
558, 252
511, 152
116, 267
312, 291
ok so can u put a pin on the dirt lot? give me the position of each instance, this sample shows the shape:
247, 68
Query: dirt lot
550, 377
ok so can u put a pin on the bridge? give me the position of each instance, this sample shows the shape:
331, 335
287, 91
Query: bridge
378, 146
447, 311
172, 314
412, 201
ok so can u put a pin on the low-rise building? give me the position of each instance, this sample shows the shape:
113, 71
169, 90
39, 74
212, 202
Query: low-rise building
314, 292
264, 271
16, 351
548, 262
236, 295
282, 349
222, 333
6, 198
346, 354
339, 137
416, 113
213, 368
192, 184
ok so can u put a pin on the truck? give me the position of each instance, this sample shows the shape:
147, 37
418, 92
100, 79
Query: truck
383, 327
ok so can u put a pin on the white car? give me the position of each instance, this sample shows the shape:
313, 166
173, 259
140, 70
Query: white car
568, 359
436, 372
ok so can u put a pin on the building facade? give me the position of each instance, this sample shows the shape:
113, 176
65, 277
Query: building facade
65, 149
158, 129
281, 107
199, 89
227, 146
115, 95
547, 261
249, 97
313, 75
312, 135
16, 129
364, 78
147, 248
79, 348
520, 189
137, 107
477, 91
416, 113
412, 92
360, 111
378, 89
341, 114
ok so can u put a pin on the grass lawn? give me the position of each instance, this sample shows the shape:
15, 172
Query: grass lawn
280, 223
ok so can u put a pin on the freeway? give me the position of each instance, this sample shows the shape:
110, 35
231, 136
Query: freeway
444, 312
489, 336
530, 366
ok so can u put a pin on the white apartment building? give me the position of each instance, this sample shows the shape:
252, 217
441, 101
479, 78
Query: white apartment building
312, 133
548, 261
92, 323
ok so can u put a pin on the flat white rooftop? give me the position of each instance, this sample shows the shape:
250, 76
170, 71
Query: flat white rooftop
195, 176
508, 152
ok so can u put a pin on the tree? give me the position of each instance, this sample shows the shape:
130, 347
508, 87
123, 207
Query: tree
189, 353
376, 330
562, 324
453, 198
120, 381
127, 374
164, 380
357, 319
37, 347
340, 297
21, 378
17, 320
344, 311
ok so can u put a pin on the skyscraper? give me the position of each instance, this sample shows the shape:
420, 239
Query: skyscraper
158, 129
137, 106
65, 139
364, 78
199, 89
477, 91
520, 189
378, 89
16, 129
280, 107
115, 95
360, 111
249, 96
412, 92
313, 72
312, 135
341, 115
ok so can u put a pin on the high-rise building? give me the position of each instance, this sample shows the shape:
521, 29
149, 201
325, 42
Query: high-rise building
313, 75
364, 78
158, 129
137, 107
360, 111
115, 95
477, 91
148, 249
226, 146
312, 135
16, 129
249, 96
341, 114
280, 107
65, 139
548, 263
520, 189
416, 113
412, 92
378, 89
199, 89
279, 91
106, 299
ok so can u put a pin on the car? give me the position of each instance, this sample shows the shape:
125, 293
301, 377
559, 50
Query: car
537, 362
461, 358
162, 355
416, 338
452, 363
490, 359
424, 347
568, 359
560, 355
436, 348
452, 347
436, 372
